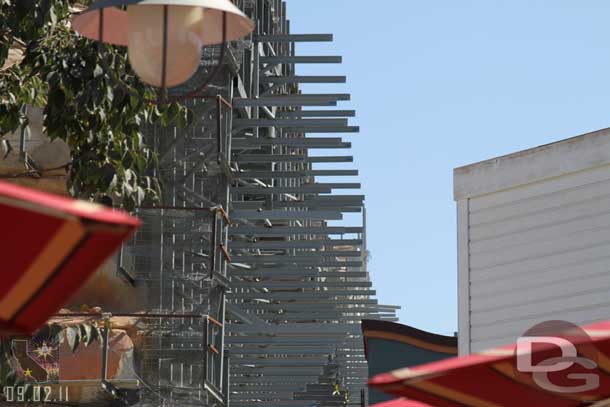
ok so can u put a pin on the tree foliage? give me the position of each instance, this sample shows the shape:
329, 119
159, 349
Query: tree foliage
92, 100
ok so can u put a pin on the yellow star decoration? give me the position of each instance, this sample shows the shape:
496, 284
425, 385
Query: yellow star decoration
27, 373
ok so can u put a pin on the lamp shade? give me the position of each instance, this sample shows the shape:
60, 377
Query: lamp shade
146, 43
49, 246
116, 21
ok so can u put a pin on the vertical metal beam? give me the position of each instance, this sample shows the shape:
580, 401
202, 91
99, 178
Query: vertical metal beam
219, 128
105, 346
205, 346
226, 374
255, 83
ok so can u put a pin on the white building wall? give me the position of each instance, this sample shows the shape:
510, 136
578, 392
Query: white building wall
533, 240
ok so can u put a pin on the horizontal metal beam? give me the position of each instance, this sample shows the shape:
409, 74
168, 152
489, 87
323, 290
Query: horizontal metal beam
270, 158
294, 244
289, 285
278, 371
347, 305
283, 350
334, 198
298, 143
321, 305
303, 79
301, 256
299, 274
317, 113
262, 392
301, 361
388, 307
294, 38
310, 205
265, 380
342, 129
302, 330
262, 397
294, 317
297, 296
264, 340
306, 189
321, 99
305, 255
295, 174
287, 231
285, 215
318, 142
290, 122
304, 262
301, 59
321, 186
341, 185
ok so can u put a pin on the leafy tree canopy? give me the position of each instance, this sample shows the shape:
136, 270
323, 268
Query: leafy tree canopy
92, 100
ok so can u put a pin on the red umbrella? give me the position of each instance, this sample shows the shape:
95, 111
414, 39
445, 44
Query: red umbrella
566, 369
49, 245
401, 403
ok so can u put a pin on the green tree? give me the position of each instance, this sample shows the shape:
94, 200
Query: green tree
91, 99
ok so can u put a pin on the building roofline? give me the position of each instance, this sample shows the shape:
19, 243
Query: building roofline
393, 331
532, 165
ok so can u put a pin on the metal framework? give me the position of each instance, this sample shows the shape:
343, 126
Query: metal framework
247, 234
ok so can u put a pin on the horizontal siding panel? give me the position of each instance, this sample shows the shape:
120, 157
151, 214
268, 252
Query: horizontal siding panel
568, 228
488, 287
540, 188
537, 204
552, 246
539, 252
484, 337
574, 257
538, 296
590, 207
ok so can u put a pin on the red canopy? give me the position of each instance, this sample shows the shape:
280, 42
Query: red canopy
49, 245
401, 403
574, 371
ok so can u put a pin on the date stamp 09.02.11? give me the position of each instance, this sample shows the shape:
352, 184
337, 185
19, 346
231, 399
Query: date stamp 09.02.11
36, 394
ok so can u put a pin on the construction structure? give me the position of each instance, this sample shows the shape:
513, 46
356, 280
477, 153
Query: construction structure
265, 287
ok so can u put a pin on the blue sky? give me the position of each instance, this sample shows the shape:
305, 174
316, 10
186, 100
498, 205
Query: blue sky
440, 84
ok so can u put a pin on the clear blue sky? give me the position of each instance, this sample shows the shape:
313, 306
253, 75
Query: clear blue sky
440, 84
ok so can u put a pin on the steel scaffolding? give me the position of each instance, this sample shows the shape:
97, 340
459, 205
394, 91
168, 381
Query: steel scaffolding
247, 234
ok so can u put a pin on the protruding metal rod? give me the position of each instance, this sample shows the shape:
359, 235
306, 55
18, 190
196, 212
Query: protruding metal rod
105, 346
100, 28
295, 38
24, 111
164, 56
219, 129
213, 245
204, 346
225, 379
